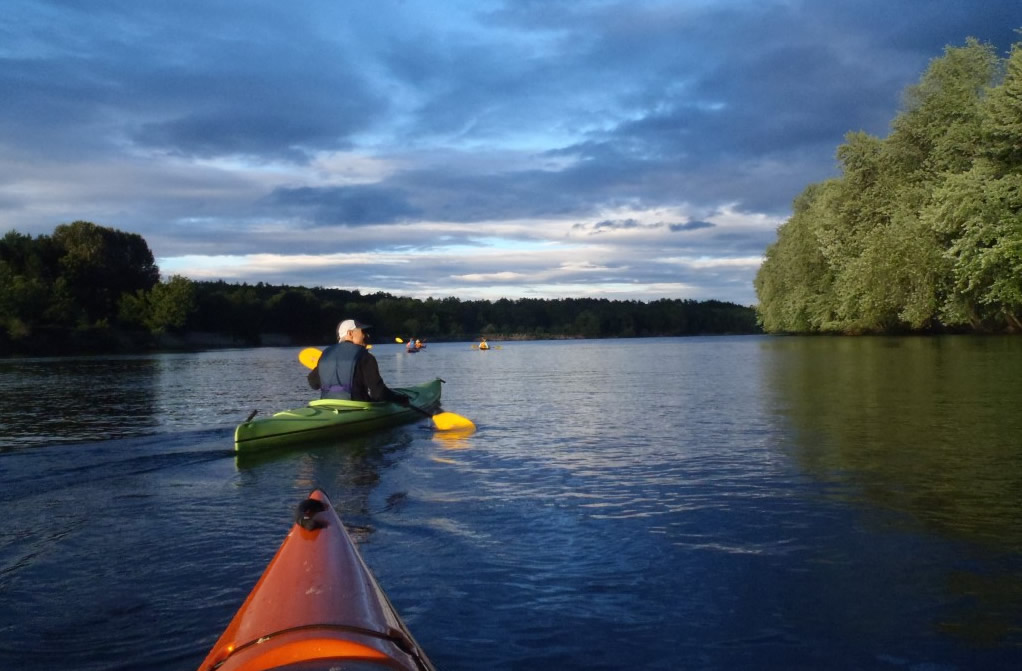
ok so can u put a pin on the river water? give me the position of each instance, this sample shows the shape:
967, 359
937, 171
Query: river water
676, 503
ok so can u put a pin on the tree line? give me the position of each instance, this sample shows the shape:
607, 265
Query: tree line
922, 230
89, 288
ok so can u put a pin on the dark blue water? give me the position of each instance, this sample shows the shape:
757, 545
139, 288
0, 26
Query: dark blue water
706, 503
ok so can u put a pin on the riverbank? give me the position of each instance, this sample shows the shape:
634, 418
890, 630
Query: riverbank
95, 341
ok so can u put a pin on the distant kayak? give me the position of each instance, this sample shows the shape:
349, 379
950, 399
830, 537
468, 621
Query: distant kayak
332, 418
317, 606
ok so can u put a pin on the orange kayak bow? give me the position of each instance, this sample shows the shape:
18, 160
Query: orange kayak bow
316, 606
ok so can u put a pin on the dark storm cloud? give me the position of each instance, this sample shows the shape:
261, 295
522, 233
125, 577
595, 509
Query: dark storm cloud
615, 225
432, 195
689, 226
346, 205
718, 88
631, 224
105, 73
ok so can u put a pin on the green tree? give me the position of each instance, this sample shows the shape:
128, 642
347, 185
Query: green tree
982, 214
795, 281
165, 307
171, 303
27, 270
1002, 121
294, 311
869, 252
99, 264
941, 126
587, 324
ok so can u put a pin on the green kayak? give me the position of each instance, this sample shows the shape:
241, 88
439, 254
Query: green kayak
331, 418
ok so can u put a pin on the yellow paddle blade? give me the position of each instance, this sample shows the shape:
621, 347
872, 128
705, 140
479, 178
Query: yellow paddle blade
398, 340
446, 421
309, 357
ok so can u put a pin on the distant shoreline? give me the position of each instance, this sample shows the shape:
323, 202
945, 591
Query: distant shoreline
116, 342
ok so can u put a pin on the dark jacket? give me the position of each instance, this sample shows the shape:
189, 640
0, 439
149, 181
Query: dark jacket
349, 371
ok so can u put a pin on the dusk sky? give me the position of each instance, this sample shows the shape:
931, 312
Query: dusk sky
626, 149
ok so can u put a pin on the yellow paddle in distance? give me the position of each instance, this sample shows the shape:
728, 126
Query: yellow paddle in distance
445, 421
398, 340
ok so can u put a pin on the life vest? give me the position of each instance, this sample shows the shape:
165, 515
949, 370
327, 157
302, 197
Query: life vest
484, 345
337, 368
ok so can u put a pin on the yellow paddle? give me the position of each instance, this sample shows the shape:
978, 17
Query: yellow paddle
309, 357
398, 340
445, 421
448, 421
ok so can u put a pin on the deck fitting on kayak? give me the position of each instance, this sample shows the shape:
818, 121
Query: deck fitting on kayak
305, 515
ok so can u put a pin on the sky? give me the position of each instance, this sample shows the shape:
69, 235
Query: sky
481, 149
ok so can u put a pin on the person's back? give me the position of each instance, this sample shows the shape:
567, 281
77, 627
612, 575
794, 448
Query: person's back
347, 371
337, 370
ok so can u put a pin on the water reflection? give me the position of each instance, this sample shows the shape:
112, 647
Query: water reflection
315, 459
926, 428
455, 439
83, 399
76, 399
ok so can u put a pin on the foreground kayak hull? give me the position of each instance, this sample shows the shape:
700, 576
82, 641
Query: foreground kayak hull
330, 418
316, 606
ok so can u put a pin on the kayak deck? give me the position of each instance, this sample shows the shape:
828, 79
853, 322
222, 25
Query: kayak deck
316, 606
331, 418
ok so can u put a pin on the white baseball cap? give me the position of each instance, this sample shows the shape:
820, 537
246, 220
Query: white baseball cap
349, 325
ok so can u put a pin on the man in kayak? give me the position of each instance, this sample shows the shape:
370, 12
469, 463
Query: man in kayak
348, 371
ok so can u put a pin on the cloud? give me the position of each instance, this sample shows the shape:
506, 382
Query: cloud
689, 226
631, 224
345, 205
486, 149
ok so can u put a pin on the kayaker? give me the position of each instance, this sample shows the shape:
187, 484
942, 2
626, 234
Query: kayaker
411, 345
348, 371
484, 344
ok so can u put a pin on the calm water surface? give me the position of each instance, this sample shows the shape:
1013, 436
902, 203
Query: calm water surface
696, 503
